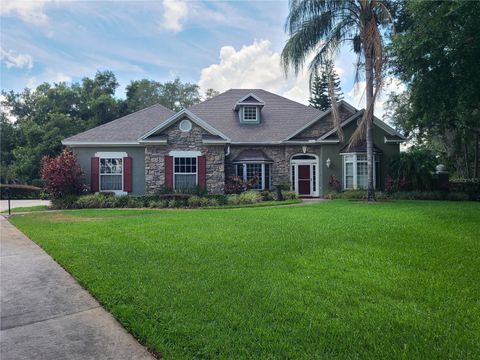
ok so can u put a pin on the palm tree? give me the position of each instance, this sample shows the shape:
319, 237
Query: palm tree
320, 27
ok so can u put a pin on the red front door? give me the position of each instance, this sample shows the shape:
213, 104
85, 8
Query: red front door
304, 179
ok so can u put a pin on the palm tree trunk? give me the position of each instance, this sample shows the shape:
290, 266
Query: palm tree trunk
369, 127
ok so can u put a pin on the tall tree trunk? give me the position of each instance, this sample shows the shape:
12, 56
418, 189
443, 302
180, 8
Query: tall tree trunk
476, 159
369, 127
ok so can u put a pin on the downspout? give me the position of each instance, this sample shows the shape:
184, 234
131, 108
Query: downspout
228, 150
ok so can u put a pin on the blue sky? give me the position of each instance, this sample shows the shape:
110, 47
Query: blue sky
219, 44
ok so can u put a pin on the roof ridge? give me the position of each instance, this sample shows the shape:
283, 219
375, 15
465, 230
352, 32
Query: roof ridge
120, 118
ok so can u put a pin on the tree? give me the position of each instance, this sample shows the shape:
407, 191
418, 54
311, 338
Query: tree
319, 90
174, 95
177, 95
321, 27
62, 175
436, 55
143, 93
210, 93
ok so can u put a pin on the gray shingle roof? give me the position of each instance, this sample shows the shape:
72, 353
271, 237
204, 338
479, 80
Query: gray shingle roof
127, 128
280, 117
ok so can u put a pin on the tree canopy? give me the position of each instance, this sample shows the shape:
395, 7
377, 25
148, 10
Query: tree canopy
437, 55
319, 97
51, 112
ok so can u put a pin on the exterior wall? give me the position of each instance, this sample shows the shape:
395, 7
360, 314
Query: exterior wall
321, 127
184, 141
84, 154
280, 170
331, 151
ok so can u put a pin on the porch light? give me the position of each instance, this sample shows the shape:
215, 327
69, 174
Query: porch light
328, 162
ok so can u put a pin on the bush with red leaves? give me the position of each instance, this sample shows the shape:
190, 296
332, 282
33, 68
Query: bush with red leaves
62, 174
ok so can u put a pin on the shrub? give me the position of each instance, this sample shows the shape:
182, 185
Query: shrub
236, 185
267, 195
62, 175
289, 195
214, 202
194, 201
412, 170
233, 199
175, 196
220, 199
249, 197
65, 202
334, 183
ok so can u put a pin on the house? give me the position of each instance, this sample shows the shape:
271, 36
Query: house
246, 133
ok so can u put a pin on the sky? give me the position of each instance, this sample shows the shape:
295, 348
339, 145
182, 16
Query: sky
216, 44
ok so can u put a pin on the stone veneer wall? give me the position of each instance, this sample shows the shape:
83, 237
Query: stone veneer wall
279, 154
184, 141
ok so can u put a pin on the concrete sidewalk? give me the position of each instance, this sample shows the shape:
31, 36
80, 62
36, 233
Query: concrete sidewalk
46, 314
22, 203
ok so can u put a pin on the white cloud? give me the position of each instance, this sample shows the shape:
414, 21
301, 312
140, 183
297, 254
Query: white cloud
356, 95
13, 59
29, 11
253, 66
175, 12
61, 77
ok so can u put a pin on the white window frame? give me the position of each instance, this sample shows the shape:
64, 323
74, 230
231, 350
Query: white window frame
111, 155
250, 120
314, 173
181, 173
244, 173
354, 162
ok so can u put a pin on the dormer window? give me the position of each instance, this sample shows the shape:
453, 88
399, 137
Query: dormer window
250, 114
249, 109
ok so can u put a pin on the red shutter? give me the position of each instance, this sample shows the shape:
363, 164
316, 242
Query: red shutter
127, 174
202, 171
168, 171
94, 174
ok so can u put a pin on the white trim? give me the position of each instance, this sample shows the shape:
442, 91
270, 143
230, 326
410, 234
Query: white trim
176, 153
393, 141
263, 166
102, 143
306, 126
376, 121
188, 124
111, 155
240, 102
179, 115
346, 122
214, 142
184, 154
355, 175
314, 172
154, 142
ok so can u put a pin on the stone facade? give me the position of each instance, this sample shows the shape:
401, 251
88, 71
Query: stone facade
321, 127
281, 155
178, 140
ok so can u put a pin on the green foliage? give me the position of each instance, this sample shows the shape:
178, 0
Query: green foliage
416, 167
334, 280
289, 195
436, 55
52, 112
319, 97
65, 202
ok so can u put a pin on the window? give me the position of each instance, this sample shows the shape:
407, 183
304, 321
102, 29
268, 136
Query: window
259, 170
185, 125
185, 173
111, 173
250, 114
355, 171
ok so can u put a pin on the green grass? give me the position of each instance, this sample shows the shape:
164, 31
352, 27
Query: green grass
27, 209
335, 280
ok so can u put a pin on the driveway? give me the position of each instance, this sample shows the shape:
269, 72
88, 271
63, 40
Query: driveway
22, 203
46, 314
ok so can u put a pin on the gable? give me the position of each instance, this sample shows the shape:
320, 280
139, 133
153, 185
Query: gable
323, 124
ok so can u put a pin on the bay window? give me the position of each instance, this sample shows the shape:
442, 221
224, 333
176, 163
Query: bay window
355, 171
261, 171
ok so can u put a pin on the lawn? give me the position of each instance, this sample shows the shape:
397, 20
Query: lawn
27, 209
335, 280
